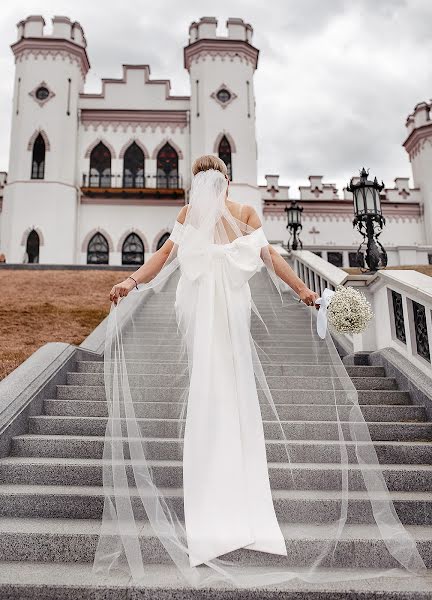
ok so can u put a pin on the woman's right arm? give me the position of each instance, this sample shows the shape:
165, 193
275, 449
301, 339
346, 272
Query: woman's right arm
149, 269
282, 268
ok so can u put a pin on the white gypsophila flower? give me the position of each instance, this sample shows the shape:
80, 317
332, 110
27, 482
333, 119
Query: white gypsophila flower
349, 311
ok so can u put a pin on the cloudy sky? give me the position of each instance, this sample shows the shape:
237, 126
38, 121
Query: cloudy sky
335, 82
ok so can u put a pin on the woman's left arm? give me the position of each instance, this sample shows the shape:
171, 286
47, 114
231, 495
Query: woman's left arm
149, 269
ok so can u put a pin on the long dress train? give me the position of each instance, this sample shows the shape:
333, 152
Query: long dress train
229, 506
223, 502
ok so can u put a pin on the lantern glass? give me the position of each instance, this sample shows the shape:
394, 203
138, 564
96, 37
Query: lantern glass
377, 202
371, 194
359, 201
293, 215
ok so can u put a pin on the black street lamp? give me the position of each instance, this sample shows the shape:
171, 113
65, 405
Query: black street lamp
294, 213
369, 220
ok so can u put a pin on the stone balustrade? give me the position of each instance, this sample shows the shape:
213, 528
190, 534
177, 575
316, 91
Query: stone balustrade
401, 300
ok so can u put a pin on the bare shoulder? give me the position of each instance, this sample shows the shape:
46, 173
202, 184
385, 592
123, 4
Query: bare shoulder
182, 214
250, 216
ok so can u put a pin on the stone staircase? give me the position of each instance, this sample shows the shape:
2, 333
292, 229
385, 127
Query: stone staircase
51, 495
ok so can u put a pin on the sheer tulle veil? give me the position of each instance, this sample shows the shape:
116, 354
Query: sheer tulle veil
142, 507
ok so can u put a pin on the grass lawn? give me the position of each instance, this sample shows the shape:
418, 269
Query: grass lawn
49, 306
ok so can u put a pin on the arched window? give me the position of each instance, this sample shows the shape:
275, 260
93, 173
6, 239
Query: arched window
133, 167
167, 167
100, 166
98, 250
32, 246
162, 240
38, 158
133, 250
224, 152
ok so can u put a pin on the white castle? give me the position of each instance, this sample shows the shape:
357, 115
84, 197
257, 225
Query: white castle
100, 178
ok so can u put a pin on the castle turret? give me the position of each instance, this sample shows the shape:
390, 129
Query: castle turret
40, 199
221, 70
418, 144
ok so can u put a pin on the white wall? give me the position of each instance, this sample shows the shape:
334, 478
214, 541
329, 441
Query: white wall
149, 222
233, 120
340, 231
50, 208
422, 174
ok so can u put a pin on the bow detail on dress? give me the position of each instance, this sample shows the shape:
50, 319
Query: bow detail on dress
241, 257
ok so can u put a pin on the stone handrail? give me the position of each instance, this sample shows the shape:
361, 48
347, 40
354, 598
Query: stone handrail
401, 300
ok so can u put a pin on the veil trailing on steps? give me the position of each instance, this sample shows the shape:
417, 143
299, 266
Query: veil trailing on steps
219, 409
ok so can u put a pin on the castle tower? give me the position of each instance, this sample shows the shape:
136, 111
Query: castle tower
418, 145
40, 199
222, 118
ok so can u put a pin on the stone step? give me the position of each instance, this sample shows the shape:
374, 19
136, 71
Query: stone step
291, 396
286, 347
294, 430
167, 312
280, 356
139, 336
74, 540
313, 451
64, 581
173, 410
152, 319
269, 369
276, 331
304, 506
26, 580
274, 381
312, 477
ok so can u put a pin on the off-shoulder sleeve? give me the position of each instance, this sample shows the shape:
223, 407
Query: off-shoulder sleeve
258, 238
177, 233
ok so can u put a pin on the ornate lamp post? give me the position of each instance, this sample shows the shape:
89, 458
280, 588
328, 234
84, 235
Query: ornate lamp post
369, 220
294, 213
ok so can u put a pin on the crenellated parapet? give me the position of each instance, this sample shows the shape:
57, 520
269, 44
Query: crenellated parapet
419, 129
204, 43
317, 190
66, 42
418, 145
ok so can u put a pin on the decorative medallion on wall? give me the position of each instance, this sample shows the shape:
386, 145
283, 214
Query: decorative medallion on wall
42, 93
223, 95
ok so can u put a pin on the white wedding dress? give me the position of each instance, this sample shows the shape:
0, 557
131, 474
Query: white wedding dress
230, 505
208, 523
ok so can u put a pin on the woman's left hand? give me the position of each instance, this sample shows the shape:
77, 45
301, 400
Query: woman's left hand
308, 297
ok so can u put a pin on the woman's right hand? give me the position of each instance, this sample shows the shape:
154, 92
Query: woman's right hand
308, 297
120, 290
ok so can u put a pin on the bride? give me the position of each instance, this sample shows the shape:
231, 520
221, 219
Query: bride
223, 506
245, 218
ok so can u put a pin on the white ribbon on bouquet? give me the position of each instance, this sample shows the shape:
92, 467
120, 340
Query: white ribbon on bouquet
324, 302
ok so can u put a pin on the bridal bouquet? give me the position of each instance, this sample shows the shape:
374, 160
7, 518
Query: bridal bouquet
347, 310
